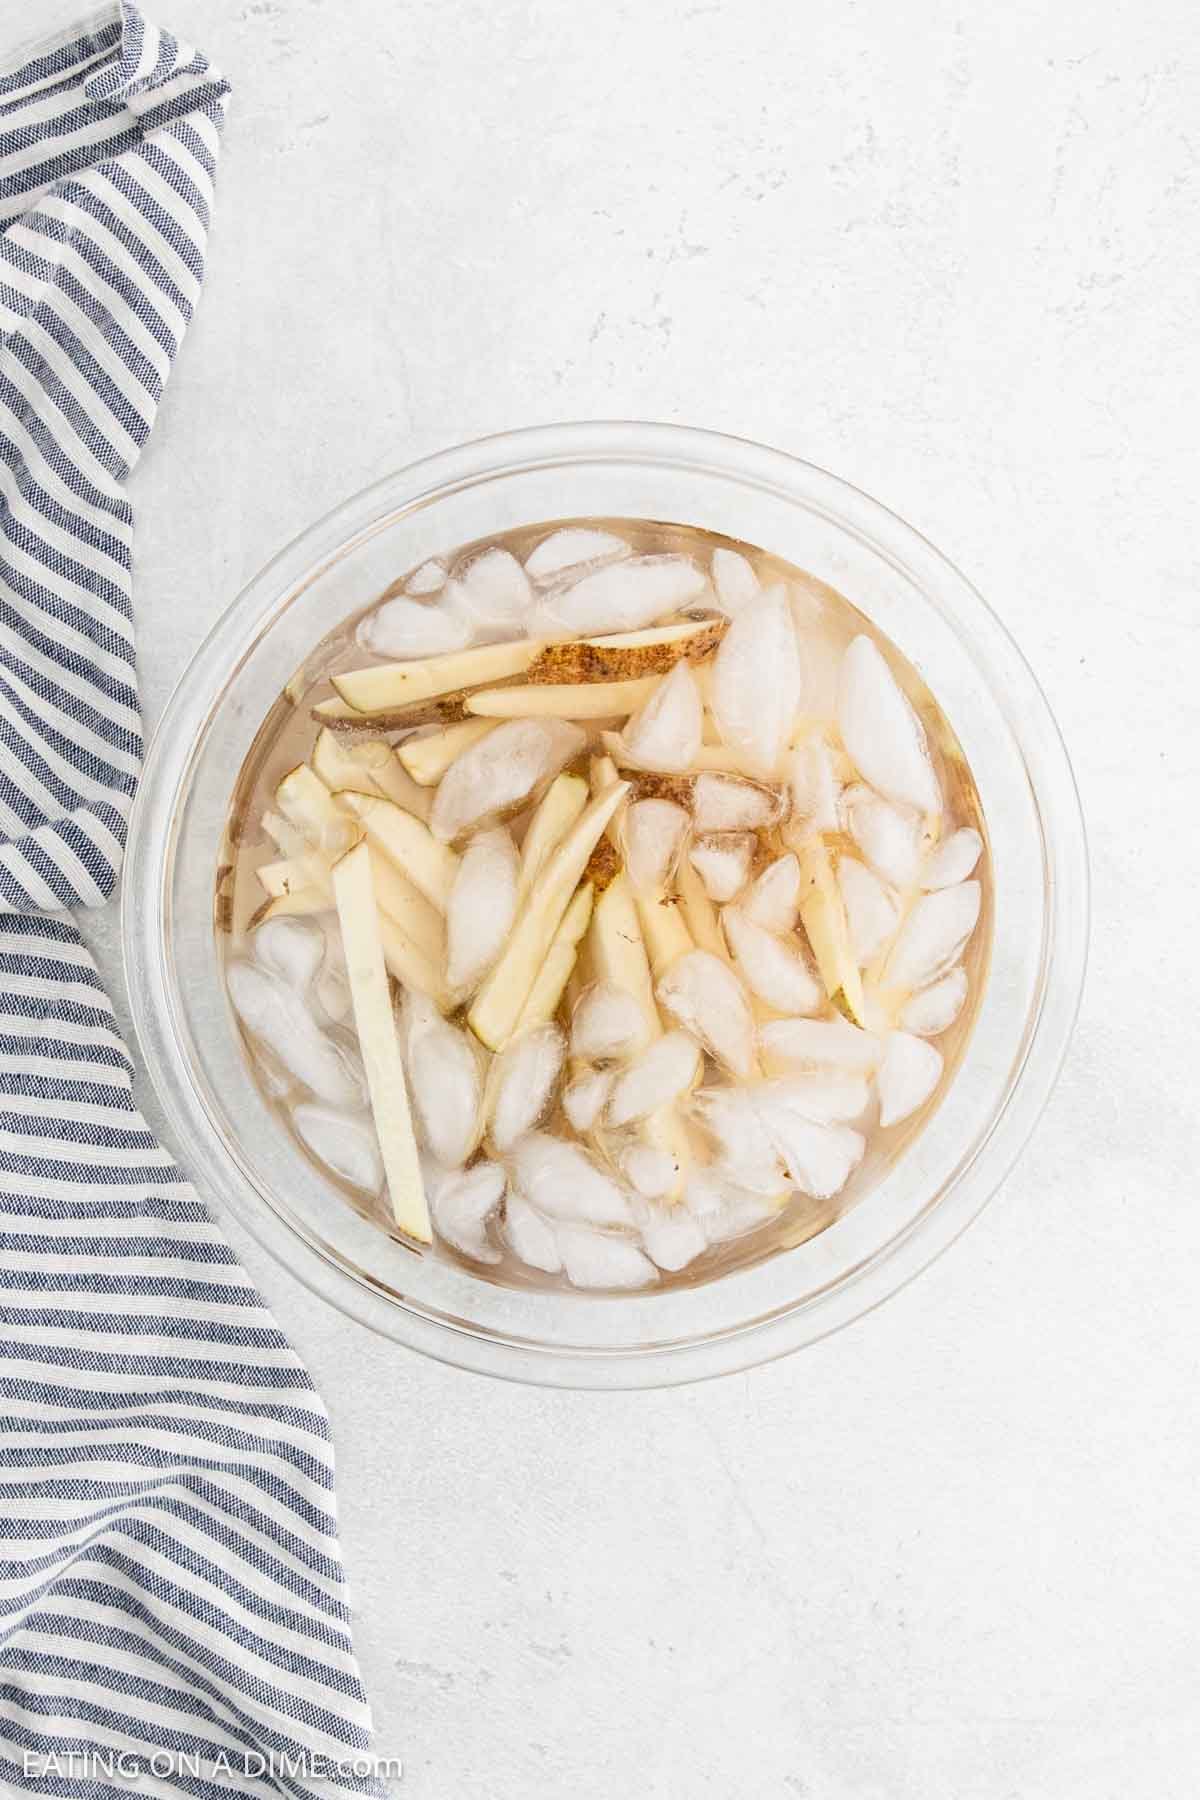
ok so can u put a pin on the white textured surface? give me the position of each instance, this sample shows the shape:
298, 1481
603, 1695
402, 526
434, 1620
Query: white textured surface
949, 251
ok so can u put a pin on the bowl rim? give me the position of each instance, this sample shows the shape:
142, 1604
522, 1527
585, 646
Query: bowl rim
145, 910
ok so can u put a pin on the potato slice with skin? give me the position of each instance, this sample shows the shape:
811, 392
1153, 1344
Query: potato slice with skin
555, 972
371, 998
392, 686
572, 700
427, 758
823, 916
500, 1000
554, 816
408, 843
628, 654
301, 904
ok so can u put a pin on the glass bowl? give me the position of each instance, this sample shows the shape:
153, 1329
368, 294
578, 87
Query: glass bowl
236, 1150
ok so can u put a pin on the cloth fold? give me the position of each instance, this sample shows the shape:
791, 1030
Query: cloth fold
171, 1591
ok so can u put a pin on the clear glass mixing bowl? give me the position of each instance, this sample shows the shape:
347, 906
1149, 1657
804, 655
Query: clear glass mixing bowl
236, 1150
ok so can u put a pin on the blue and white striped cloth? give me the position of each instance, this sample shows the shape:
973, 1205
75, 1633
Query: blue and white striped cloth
171, 1590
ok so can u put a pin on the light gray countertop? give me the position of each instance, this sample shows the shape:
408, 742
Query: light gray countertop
950, 252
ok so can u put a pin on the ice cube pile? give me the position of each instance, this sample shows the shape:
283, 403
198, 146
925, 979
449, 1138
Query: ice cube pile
615, 910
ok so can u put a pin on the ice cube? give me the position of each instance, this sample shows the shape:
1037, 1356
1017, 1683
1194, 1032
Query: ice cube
819, 1159
774, 900
291, 948
871, 911
825, 1099
704, 1195
888, 836
331, 990
280, 1020
935, 1008
953, 861
570, 548
741, 1213
665, 735
734, 579
821, 1044
529, 1237
561, 1181
624, 596
814, 786
461, 1205
725, 803
522, 1080
882, 733
593, 1259
607, 1022
651, 1172
500, 772
492, 590
664, 1071
343, 1142
908, 1074
774, 968
756, 681
671, 1236
481, 908
407, 628
585, 1098
444, 1076
722, 860
652, 830
703, 994
818, 618
430, 578
744, 1152
932, 937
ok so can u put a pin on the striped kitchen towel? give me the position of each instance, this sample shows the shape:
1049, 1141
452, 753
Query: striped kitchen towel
173, 1615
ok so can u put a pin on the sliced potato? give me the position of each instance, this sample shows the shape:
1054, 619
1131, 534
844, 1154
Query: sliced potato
617, 951
576, 700
823, 916
307, 803
699, 913
554, 974
409, 962
497, 1007
395, 783
369, 768
416, 916
292, 875
723, 759
663, 929
427, 758
556, 812
286, 838
391, 686
409, 844
343, 769
358, 916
